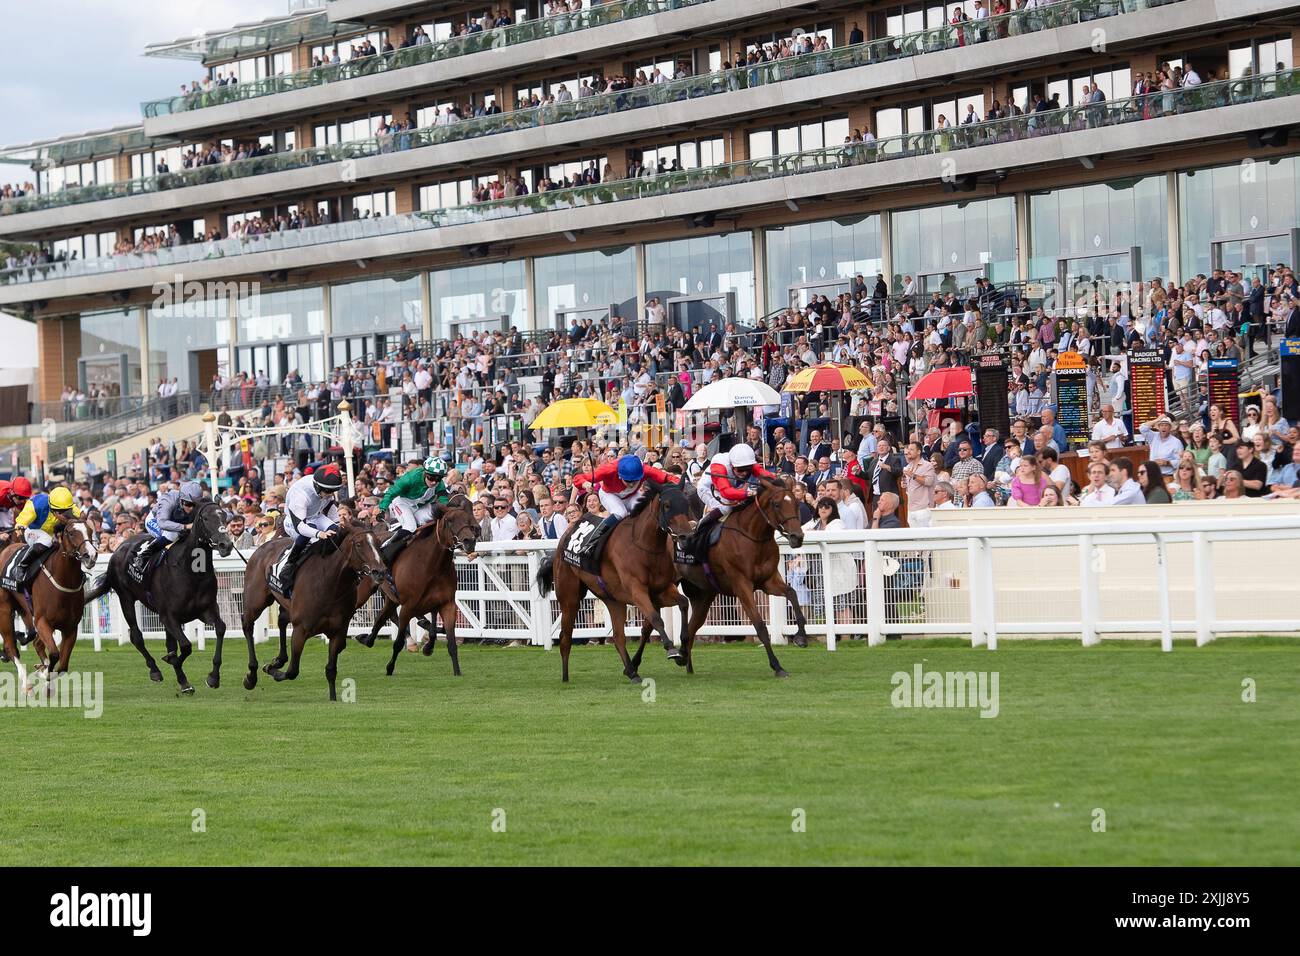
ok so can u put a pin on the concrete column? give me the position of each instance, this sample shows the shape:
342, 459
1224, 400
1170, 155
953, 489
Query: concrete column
887, 252
327, 325
58, 346
142, 316
426, 306
1175, 229
1022, 237
760, 274
640, 281
530, 294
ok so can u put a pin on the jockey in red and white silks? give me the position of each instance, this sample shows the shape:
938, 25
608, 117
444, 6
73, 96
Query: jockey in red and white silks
722, 486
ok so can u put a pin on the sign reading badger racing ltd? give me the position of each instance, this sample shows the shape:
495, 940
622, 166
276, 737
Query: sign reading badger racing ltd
1146, 380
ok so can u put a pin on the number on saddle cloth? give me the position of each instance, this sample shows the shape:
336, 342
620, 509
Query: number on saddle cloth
585, 544
9, 579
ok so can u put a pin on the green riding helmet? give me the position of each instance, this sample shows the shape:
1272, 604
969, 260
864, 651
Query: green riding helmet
435, 465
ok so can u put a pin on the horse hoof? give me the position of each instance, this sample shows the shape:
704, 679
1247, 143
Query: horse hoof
634, 678
427, 650
389, 670
677, 657
779, 673
155, 675
268, 668
366, 640
214, 681
188, 689
800, 641
279, 676
250, 681
456, 672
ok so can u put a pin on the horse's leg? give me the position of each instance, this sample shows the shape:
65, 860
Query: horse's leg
300, 638
448, 614
777, 586
618, 622
745, 595
385, 615
399, 639
640, 648
431, 625
176, 636
684, 611
337, 643
249, 622
212, 617
701, 602
127, 603
11, 650
282, 657
568, 590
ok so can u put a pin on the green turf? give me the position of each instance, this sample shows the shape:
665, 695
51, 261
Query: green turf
710, 772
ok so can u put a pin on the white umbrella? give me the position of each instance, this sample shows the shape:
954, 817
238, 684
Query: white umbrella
733, 393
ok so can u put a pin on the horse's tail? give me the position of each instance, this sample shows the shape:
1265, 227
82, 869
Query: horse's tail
99, 588
546, 574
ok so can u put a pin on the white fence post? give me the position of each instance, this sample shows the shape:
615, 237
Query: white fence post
875, 595
1088, 597
1203, 575
975, 559
1162, 585
990, 597
828, 600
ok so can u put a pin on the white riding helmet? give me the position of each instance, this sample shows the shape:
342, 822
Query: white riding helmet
742, 456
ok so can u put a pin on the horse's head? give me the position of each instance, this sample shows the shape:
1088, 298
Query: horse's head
456, 528
77, 542
775, 501
674, 510
209, 527
363, 557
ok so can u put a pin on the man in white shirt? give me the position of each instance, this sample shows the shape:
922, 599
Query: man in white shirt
1098, 492
1127, 491
1164, 445
1109, 429
504, 525
853, 516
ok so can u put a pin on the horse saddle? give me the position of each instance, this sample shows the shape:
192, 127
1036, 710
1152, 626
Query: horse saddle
586, 544
695, 549
140, 573
10, 577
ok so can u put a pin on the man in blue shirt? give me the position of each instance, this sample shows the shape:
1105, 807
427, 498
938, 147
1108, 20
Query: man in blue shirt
1285, 481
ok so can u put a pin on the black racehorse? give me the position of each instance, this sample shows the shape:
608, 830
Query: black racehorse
181, 588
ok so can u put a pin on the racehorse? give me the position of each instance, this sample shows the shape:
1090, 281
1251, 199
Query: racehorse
745, 559
424, 573
333, 580
57, 599
182, 588
636, 568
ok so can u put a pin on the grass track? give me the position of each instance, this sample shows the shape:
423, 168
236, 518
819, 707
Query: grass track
708, 773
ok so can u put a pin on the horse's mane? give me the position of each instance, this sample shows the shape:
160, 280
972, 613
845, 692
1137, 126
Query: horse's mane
652, 492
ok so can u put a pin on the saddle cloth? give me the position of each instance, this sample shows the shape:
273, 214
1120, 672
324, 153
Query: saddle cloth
8, 577
144, 573
695, 549
584, 548
273, 572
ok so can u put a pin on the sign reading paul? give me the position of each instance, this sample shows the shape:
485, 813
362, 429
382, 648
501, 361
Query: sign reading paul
1073, 399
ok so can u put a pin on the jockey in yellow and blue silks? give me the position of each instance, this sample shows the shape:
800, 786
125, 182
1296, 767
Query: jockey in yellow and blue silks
38, 520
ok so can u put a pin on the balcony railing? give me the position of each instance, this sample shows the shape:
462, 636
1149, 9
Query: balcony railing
497, 38
686, 88
1111, 113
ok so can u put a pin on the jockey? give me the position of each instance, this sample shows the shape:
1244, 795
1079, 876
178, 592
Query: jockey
13, 495
620, 485
410, 501
171, 517
725, 484
38, 519
311, 514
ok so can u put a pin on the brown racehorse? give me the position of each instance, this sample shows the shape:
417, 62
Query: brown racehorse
424, 573
636, 568
333, 580
58, 599
746, 559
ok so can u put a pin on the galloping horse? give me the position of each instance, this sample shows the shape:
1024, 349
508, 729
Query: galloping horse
333, 580
745, 559
636, 568
57, 596
182, 588
424, 573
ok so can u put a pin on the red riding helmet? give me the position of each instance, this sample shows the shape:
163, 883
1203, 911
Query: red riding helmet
21, 487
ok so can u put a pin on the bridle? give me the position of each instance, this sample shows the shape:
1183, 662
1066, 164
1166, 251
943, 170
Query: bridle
775, 524
73, 556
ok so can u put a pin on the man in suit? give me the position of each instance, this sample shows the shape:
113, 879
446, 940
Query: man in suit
883, 469
1293, 323
992, 452
551, 524
817, 449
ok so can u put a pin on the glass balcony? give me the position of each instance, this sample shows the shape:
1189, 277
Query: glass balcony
1268, 86
693, 87
516, 33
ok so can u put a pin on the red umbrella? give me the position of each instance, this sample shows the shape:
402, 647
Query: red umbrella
954, 382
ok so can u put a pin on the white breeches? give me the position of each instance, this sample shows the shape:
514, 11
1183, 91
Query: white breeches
407, 515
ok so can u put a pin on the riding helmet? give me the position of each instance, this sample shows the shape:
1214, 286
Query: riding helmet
60, 499
742, 456
22, 488
327, 479
435, 465
630, 468
191, 492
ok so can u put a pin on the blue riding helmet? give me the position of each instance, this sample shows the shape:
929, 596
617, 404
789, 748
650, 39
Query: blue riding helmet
630, 468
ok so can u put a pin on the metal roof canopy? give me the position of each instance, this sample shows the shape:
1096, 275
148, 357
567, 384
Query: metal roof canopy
263, 36
97, 144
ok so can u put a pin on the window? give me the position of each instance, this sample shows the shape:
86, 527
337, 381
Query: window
1260, 56
797, 139
689, 155
90, 246
351, 130
667, 67
1114, 82
373, 205
919, 117
344, 47
76, 174
459, 192
569, 170
916, 17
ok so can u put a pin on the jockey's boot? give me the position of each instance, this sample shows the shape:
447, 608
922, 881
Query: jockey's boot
393, 546
701, 533
143, 556
291, 566
29, 563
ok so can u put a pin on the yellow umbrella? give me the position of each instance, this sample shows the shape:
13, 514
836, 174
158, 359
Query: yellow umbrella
574, 413
827, 377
